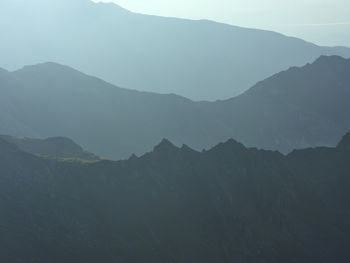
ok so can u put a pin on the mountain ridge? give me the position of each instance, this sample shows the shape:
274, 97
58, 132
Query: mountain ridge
213, 206
54, 147
298, 108
200, 60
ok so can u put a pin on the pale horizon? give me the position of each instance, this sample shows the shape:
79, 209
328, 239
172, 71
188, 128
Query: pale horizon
322, 22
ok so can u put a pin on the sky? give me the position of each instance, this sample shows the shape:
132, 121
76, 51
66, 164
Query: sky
324, 22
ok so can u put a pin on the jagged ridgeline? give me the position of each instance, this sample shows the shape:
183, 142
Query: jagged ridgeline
227, 204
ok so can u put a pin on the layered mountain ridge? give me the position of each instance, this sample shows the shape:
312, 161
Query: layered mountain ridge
201, 60
219, 144
297, 108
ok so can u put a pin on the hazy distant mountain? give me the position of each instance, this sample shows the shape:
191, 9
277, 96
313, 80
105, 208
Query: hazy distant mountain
52, 100
228, 204
196, 59
297, 108
54, 147
301, 107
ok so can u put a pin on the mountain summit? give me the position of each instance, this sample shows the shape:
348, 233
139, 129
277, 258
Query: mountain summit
164, 145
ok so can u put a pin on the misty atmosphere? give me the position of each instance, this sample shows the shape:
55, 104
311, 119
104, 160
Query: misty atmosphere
174, 131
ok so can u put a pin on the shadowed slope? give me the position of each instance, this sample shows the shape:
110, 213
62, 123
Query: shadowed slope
227, 204
54, 147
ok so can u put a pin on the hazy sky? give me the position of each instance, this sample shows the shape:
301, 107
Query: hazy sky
325, 22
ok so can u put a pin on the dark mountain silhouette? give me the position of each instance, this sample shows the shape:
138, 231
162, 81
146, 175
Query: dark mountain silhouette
227, 204
195, 59
301, 107
54, 147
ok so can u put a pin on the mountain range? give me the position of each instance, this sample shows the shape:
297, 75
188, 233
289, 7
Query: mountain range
227, 204
301, 107
249, 163
201, 60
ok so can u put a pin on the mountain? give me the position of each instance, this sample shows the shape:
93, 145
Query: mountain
54, 147
227, 204
297, 108
201, 60
50, 100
